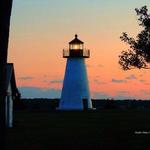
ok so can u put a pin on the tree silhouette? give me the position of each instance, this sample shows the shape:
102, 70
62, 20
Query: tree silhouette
138, 56
5, 13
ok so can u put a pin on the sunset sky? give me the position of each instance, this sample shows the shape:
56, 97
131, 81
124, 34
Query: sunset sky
41, 29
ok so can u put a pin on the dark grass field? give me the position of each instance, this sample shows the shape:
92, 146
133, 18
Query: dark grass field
98, 130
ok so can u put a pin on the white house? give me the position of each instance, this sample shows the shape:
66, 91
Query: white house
11, 93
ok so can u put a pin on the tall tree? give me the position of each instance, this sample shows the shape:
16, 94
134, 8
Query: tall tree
138, 55
5, 13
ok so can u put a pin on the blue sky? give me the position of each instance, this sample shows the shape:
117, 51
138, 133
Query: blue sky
41, 29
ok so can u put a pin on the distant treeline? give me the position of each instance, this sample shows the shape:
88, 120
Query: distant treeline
37, 103
52, 104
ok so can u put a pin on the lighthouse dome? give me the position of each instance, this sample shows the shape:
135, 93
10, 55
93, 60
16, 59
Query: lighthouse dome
76, 40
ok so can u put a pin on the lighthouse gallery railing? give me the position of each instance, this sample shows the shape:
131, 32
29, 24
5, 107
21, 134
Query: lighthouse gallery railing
85, 53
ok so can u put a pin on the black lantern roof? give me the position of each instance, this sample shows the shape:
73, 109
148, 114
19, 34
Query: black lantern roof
76, 40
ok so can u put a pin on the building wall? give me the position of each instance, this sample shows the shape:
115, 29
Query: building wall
9, 108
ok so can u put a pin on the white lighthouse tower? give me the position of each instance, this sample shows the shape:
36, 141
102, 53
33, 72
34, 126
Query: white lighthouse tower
75, 92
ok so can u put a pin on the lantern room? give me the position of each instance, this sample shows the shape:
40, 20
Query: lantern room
76, 49
76, 44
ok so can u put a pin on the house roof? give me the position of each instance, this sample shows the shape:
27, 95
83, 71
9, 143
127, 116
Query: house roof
10, 78
9, 71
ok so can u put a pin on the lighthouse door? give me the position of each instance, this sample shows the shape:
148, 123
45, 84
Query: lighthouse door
85, 103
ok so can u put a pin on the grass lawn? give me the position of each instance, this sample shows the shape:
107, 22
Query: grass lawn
99, 130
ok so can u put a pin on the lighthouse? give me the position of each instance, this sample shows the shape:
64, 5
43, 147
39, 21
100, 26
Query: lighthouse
75, 93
